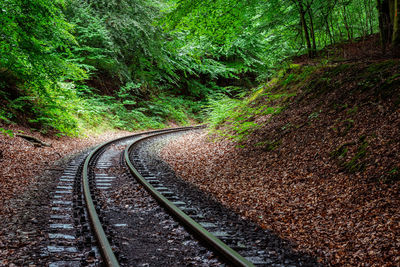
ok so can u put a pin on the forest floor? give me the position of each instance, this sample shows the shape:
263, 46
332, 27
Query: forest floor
21, 161
323, 173
28, 175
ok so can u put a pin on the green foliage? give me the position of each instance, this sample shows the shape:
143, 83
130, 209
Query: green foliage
391, 176
96, 49
219, 108
235, 118
45, 44
256, 36
5, 132
126, 112
71, 64
35, 41
269, 145
356, 162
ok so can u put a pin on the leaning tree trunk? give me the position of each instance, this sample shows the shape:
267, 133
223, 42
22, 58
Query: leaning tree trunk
346, 23
371, 16
396, 26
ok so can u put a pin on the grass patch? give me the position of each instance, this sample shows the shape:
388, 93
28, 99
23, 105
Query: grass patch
355, 163
391, 176
269, 145
238, 116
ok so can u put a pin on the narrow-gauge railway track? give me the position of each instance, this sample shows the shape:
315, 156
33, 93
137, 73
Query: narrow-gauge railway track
85, 191
73, 213
257, 246
103, 243
154, 186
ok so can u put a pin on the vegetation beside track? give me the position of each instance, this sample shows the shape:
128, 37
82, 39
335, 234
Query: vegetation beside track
70, 65
311, 155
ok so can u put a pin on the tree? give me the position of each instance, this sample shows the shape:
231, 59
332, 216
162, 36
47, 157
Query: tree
389, 23
396, 26
304, 9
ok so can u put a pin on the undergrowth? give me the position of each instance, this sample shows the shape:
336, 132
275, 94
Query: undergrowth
77, 110
237, 118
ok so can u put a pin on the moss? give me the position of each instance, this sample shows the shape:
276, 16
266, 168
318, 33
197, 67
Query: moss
319, 86
341, 152
383, 77
352, 110
288, 79
314, 115
339, 69
287, 126
393, 78
378, 67
389, 87
255, 95
269, 145
346, 126
294, 66
391, 176
356, 163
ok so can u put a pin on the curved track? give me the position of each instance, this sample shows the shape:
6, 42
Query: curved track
104, 246
216, 233
212, 241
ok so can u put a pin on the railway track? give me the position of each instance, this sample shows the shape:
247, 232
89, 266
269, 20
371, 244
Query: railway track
90, 228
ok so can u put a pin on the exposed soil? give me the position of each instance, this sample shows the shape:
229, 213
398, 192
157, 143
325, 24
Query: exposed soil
330, 182
367, 48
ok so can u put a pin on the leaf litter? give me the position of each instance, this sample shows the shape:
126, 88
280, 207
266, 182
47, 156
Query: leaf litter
331, 188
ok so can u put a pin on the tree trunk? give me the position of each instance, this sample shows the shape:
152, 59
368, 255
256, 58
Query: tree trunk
327, 26
346, 23
328, 29
35, 141
391, 11
312, 32
371, 16
366, 5
384, 22
396, 28
338, 28
304, 26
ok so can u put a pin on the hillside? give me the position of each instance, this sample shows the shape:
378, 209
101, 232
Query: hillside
313, 156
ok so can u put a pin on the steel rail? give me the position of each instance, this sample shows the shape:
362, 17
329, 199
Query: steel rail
105, 248
224, 250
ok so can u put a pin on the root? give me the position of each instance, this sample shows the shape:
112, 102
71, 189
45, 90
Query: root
35, 141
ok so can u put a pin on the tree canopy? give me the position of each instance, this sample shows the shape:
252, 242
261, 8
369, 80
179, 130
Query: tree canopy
131, 49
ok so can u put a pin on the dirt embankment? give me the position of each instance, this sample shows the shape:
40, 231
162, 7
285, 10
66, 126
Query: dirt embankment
324, 173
